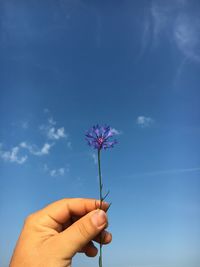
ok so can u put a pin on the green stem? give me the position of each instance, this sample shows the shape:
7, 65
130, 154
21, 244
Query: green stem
100, 178
101, 199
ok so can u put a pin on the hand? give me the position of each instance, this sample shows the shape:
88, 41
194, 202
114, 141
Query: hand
53, 235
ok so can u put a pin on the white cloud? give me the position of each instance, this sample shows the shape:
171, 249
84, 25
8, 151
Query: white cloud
52, 121
13, 155
34, 150
179, 25
55, 172
58, 172
146, 34
187, 36
169, 172
115, 131
56, 134
45, 149
51, 131
160, 15
94, 157
144, 122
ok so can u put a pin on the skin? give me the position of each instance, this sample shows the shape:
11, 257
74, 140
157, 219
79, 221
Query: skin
53, 235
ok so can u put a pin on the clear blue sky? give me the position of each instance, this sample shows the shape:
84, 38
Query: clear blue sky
135, 65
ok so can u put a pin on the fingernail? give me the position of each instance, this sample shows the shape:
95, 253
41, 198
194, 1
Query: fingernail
99, 218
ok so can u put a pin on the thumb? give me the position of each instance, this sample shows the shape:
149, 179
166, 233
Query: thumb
79, 234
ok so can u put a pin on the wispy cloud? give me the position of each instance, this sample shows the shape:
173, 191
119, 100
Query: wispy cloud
146, 34
20, 152
55, 172
13, 155
116, 132
177, 23
52, 132
94, 157
34, 150
170, 171
58, 172
187, 36
144, 122
56, 134
51, 121
160, 15
16, 154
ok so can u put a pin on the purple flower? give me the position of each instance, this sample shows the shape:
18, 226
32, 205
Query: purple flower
98, 137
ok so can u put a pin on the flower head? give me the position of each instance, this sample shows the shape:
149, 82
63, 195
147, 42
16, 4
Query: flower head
98, 137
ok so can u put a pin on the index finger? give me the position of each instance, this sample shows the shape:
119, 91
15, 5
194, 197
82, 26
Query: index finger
62, 210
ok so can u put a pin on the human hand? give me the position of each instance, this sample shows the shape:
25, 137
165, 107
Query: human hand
53, 235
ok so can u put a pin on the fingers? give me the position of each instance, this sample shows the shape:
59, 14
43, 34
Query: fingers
90, 250
79, 234
61, 211
104, 237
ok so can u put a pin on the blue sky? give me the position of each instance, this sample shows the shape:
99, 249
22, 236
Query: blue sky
68, 64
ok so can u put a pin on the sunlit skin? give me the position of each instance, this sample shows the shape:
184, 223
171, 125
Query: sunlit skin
53, 235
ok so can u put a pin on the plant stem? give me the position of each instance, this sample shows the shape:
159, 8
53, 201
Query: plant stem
101, 199
100, 179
